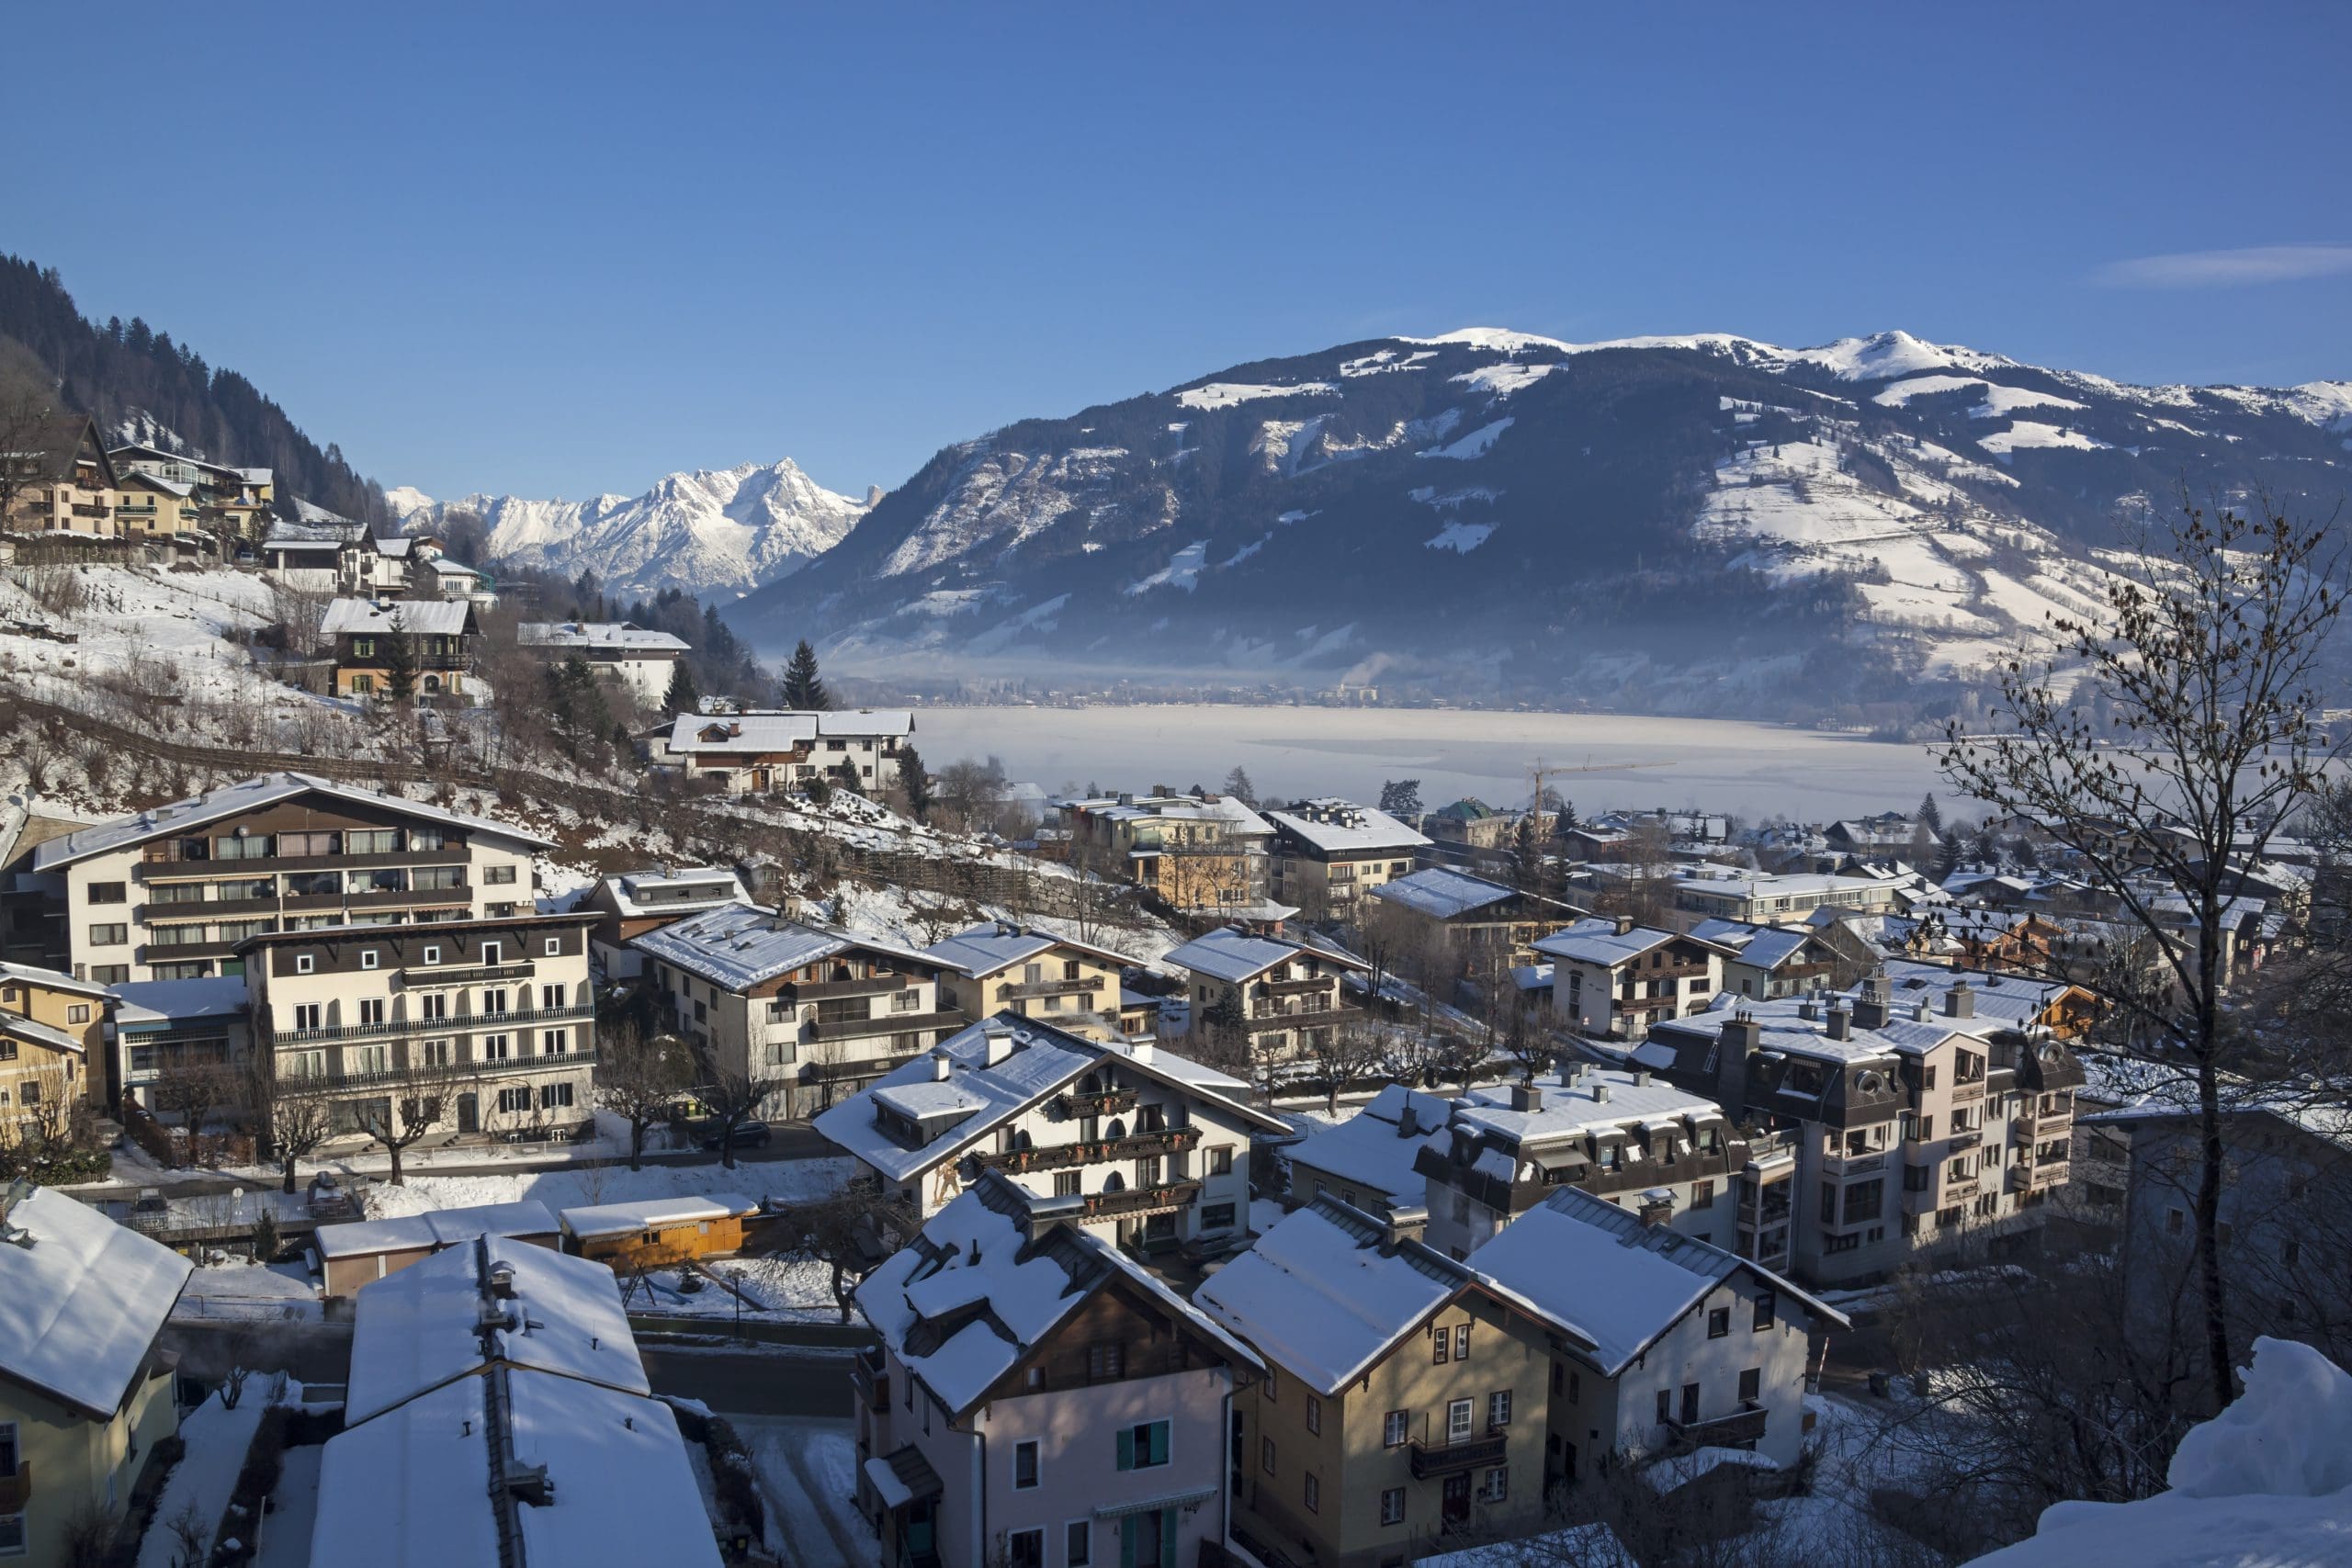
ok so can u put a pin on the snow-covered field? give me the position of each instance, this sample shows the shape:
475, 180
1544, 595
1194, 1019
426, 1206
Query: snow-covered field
217, 1439
1598, 761
808, 1474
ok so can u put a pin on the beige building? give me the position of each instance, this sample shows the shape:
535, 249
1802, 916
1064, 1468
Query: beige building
1328, 852
776, 751
52, 1042
84, 1392
998, 967
230, 501
817, 1012
152, 509
441, 635
482, 1030
1283, 996
1203, 854
169, 893
1612, 978
61, 480
1405, 1396
1459, 924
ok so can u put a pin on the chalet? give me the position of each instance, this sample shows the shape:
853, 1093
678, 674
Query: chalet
1038, 1398
236, 501
1480, 927
382, 566
776, 751
1150, 1148
440, 635
998, 966
1280, 995
641, 662
631, 903
63, 480
1203, 854
54, 1031
1774, 961
1612, 978
1368, 1161
1327, 852
308, 557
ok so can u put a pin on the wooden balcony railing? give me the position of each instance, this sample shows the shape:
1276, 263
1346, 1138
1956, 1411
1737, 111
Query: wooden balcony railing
1141, 1200
1430, 1459
1745, 1424
1169, 1141
1110, 1102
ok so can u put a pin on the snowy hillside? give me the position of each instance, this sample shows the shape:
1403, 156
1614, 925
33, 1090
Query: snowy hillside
719, 531
1681, 523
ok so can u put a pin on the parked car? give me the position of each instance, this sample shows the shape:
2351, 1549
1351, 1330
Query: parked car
753, 1135
330, 1199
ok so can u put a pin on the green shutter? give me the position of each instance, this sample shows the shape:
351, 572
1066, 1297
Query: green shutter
1128, 1541
1126, 1447
1158, 1442
1168, 1536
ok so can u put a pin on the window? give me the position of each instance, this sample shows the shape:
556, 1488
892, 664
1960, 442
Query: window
1665, 1405
371, 958
434, 1004
12, 1535
1266, 1455
1217, 1217
1392, 1506
1461, 1341
1865, 1200
1144, 1445
1311, 1492
1497, 1485
1497, 1409
1221, 1161
306, 1015
1441, 1347
364, 1059
516, 1099
1766, 1305
110, 935
1394, 1428
554, 948
1751, 1384
2174, 1220
109, 892
110, 973
494, 999
77, 1012
1718, 1323
1025, 1549
907, 999
1459, 1414
437, 1053
1314, 1415
494, 952
1065, 1184
1078, 1544
555, 1096
303, 963
554, 1041
1024, 1465
1702, 1194
498, 875
497, 1047
1105, 1360
1689, 1404
432, 954
1575, 1388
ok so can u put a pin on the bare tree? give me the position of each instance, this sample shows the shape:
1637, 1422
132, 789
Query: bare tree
639, 1077
732, 1098
423, 1100
192, 1088
301, 1120
1343, 1055
28, 410
849, 1232
2204, 652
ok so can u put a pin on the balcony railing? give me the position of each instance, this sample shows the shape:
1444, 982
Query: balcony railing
461, 1024
1968, 1140
1167, 1140
1448, 1458
881, 1023
454, 1075
159, 866
1110, 1102
1025, 989
1323, 1018
1141, 1200
1299, 988
823, 991
1745, 1424
468, 974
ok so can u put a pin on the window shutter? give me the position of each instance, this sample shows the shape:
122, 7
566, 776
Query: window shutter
1159, 1442
1167, 1535
1128, 1541
1126, 1447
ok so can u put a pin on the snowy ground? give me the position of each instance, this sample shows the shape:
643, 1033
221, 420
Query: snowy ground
285, 1533
217, 1441
808, 1474
790, 1182
241, 1288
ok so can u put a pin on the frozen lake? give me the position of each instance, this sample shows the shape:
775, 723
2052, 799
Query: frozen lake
1596, 760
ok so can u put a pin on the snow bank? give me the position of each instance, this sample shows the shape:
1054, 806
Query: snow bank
2268, 1481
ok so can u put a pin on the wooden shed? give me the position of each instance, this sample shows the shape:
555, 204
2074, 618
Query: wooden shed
366, 1250
651, 1233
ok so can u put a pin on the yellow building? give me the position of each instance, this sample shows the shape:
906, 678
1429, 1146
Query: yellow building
1407, 1398
1201, 854
150, 507
998, 967
229, 501
85, 1395
52, 1044
60, 479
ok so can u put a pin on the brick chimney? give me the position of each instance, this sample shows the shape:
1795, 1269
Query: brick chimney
1841, 1022
1874, 1009
1960, 1001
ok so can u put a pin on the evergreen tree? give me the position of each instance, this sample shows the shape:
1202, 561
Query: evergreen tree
397, 650
802, 689
682, 695
915, 780
576, 705
1237, 784
1401, 797
1931, 814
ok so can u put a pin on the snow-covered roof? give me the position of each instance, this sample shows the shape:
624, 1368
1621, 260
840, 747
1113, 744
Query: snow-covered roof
82, 1300
993, 945
50, 980
1622, 1283
1585, 1546
431, 617
965, 1303
1341, 827
1236, 815
34, 1031
416, 1329
286, 536
1443, 892
782, 729
651, 1214
1371, 1150
1034, 1061
621, 637
1325, 1294
247, 795
738, 947
1598, 941
1232, 954
141, 1004
629, 888
1759, 947
436, 1228
1784, 1027
1575, 1110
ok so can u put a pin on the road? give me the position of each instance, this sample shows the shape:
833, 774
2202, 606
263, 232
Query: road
752, 1382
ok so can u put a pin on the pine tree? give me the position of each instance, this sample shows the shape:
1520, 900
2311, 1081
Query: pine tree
1931, 814
682, 697
802, 689
1401, 797
915, 780
1237, 784
398, 653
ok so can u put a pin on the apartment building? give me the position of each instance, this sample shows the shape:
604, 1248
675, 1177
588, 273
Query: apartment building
151, 508
53, 1032
1625, 1137
85, 1393
1404, 1397
167, 1026
1327, 852
1765, 899
441, 638
482, 1029
777, 751
1039, 1401
1683, 1345
1775, 961
1479, 927
640, 660
1371, 1160
1148, 1148
1203, 854
817, 1011
1915, 1127
631, 903
64, 480
230, 501
1282, 996
169, 894
998, 967
1613, 979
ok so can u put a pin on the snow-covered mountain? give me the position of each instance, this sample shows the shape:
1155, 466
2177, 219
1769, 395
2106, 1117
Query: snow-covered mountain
1707, 522
707, 533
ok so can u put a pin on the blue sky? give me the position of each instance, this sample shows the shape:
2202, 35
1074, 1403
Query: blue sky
559, 250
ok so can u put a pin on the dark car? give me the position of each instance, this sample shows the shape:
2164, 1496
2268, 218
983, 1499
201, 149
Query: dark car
748, 1135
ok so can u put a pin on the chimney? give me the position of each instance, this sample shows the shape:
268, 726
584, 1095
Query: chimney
1139, 1050
1874, 1008
1657, 1207
939, 1064
1570, 1072
1526, 1094
1807, 1011
1601, 1093
501, 1280
1408, 1120
1641, 1078
996, 1043
1841, 1022
1625, 924
1919, 1011
1739, 1037
1960, 1001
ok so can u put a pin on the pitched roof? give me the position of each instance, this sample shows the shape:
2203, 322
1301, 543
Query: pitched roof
993, 945
648, 1213
1622, 1283
82, 1300
1598, 941
625, 888
1372, 1150
741, 945
438, 617
247, 794
436, 1228
1443, 892
1341, 827
782, 729
613, 637
1232, 954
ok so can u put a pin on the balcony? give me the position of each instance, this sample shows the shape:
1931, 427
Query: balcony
1141, 1200
83, 509
1169, 1141
1958, 1187
454, 1077
1968, 1093
1958, 1142
2049, 1172
1324, 1017
872, 1383
1029, 989
1745, 1424
1110, 1102
827, 990
470, 975
1299, 988
1430, 1459
165, 868
1855, 1165
461, 1024
881, 1023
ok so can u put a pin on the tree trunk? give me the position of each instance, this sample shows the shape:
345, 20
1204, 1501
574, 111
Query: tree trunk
289, 1173
2208, 1235
398, 1178
636, 1146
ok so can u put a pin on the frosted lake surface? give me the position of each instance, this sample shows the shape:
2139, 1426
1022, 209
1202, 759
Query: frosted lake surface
1598, 762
